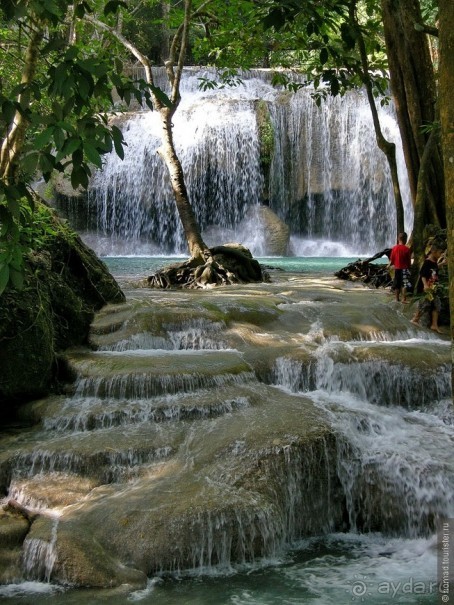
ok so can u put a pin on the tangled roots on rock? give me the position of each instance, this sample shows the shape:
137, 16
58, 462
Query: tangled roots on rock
365, 271
226, 265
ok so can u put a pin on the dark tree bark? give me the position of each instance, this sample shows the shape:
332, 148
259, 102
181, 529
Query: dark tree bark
418, 243
446, 27
414, 92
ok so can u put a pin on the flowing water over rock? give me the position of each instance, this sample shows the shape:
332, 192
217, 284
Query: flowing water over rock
326, 178
209, 432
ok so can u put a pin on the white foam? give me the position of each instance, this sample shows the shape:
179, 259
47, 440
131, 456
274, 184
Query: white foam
29, 589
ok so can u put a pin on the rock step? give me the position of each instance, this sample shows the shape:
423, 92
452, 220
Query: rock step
142, 375
11, 565
167, 319
239, 489
188, 333
154, 319
112, 319
109, 455
108, 363
436, 353
379, 372
90, 414
50, 490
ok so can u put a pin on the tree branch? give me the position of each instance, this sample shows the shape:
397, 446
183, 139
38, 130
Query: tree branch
181, 38
182, 53
426, 29
13, 142
127, 44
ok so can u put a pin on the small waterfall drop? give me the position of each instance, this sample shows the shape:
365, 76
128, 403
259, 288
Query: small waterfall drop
394, 465
327, 181
218, 146
328, 178
39, 556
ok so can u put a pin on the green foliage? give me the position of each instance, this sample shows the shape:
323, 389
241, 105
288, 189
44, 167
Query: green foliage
428, 128
232, 36
315, 38
14, 215
429, 11
144, 26
61, 109
71, 132
226, 77
266, 134
318, 15
26, 230
113, 6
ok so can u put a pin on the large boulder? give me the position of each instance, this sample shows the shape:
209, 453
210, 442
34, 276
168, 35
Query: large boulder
65, 283
274, 233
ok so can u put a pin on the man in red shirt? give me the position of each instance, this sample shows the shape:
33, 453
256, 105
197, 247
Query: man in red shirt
401, 260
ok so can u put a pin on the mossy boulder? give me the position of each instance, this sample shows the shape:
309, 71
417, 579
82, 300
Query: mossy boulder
65, 283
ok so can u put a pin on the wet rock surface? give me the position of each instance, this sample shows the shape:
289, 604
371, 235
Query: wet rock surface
202, 429
64, 284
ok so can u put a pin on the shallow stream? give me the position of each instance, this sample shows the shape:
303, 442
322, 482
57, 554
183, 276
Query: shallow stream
297, 434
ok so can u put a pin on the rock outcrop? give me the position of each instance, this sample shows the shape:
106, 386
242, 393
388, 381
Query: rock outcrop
65, 283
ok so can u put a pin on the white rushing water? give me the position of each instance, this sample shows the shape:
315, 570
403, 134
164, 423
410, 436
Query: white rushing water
40, 556
407, 454
339, 569
389, 411
327, 180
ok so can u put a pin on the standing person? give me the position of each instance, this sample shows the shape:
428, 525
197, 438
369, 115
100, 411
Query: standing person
428, 275
400, 259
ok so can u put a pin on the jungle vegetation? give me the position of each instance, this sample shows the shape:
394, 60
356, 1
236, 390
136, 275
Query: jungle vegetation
61, 62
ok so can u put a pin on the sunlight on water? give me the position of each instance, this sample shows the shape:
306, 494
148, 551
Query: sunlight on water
402, 451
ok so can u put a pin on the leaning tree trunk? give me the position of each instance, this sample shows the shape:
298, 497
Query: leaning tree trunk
12, 144
206, 267
414, 92
197, 248
166, 107
446, 21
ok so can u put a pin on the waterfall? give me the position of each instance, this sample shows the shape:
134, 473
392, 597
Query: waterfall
327, 180
218, 146
387, 467
39, 556
388, 458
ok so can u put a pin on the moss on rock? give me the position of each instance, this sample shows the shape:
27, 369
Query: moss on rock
65, 283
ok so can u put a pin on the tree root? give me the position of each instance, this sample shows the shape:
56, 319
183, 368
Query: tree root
226, 265
365, 271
